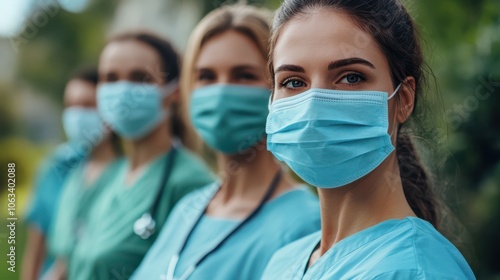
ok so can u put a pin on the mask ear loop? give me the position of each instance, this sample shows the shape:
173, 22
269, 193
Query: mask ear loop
395, 91
392, 95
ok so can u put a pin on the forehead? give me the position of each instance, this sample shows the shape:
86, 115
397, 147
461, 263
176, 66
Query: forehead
126, 55
78, 91
228, 49
324, 35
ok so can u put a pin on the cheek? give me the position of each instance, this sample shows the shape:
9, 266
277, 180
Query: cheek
394, 115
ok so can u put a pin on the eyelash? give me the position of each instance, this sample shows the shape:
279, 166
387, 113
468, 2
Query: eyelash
205, 76
287, 80
361, 77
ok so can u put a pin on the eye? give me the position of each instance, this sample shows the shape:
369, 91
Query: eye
109, 77
352, 78
293, 84
140, 76
246, 76
206, 76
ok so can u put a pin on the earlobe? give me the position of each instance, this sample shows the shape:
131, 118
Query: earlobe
406, 99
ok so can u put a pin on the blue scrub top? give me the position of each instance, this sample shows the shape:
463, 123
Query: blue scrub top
50, 179
410, 248
244, 255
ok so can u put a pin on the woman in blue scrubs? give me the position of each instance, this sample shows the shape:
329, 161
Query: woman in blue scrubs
87, 133
137, 96
80, 114
229, 230
347, 76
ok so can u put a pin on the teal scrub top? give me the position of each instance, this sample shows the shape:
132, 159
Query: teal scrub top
410, 248
244, 255
110, 249
50, 179
77, 199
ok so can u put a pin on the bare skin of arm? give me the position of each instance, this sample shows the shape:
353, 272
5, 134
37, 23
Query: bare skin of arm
33, 254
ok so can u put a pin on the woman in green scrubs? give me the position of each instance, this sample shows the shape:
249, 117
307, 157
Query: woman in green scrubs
100, 148
137, 98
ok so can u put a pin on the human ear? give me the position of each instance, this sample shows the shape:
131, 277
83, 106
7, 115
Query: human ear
405, 100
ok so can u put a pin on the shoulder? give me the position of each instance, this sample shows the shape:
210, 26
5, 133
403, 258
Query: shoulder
296, 212
300, 200
436, 254
416, 248
298, 247
282, 264
185, 157
190, 170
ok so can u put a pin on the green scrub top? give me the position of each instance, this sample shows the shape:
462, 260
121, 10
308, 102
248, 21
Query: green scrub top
77, 199
110, 249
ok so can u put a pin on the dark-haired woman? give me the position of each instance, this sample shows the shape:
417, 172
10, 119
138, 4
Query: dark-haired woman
101, 150
347, 75
137, 96
88, 140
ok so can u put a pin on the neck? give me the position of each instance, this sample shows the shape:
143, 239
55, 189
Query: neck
247, 175
103, 152
375, 198
153, 145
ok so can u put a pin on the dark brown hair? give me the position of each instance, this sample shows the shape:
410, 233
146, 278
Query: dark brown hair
170, 63
86, 74
394, 31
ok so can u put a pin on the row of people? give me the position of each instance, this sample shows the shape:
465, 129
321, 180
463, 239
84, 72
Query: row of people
327, 89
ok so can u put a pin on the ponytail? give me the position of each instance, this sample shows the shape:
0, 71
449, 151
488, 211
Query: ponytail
417, 185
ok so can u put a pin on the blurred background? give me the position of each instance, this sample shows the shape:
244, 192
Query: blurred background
42, 41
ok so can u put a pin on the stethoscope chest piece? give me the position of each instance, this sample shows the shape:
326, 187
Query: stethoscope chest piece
145, 226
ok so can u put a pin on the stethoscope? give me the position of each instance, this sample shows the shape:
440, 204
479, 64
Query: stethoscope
175, 259
145, 226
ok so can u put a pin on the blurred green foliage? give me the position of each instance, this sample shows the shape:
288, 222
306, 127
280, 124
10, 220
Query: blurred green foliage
462, 43
463, 48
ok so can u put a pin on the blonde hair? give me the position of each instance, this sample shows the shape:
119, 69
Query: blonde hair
248, 20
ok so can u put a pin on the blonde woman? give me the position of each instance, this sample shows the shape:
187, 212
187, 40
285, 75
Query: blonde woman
230, 229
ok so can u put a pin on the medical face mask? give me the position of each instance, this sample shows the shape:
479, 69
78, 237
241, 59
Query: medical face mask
230, 118
131, 109
330, 138
83, 126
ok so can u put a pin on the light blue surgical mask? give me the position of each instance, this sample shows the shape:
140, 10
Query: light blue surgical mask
330, 138
83, 127
133, 110
230, 118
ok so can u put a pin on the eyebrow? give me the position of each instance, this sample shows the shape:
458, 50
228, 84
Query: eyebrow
349, 61
290, 68
333, 65
244, 67
234, 68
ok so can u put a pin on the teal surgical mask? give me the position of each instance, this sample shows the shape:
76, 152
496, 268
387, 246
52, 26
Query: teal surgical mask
330, 138
133, 110
230, 118
83, 127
